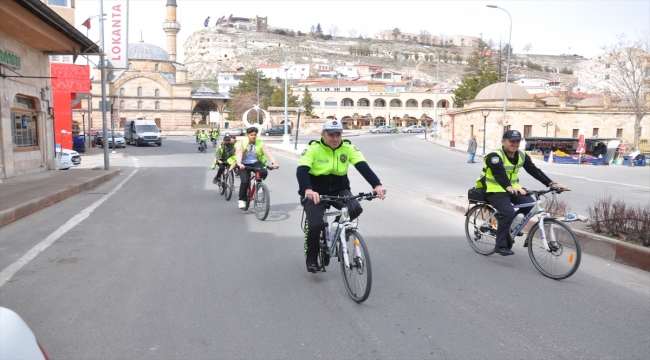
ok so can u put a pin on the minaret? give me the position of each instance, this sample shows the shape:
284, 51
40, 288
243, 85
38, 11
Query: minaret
171, 28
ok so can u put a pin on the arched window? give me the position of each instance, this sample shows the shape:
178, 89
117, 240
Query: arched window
363, 102
427, 104
380, 103
411, 103
139, 104
157, 105
157, 93
395, 103
121, 91
347, 102
121, 104
139, 90
315, 102
331, 102
442, 103
156, 67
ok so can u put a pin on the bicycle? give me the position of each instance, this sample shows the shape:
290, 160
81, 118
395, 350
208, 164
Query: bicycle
202, 146
553, 247
258, 193
214, 143
227, 183
356, 270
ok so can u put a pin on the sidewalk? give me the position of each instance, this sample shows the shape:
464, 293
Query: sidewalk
26, 194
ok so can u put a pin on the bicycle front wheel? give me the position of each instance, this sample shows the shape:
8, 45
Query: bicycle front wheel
230, 185
358, 278
261, 201
481, 233
563, 258
222, 185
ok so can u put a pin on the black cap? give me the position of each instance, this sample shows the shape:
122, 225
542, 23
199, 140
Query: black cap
512, 135
227, 137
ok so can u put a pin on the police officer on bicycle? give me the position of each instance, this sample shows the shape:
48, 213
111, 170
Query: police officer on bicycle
322, 170
251, 152
500, 180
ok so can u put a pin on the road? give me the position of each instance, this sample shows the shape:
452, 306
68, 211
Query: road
164, 267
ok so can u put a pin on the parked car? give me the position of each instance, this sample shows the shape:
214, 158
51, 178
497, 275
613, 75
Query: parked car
383, 129
413, 128
68, 158
17, 340
120, 142
98, 138
276, 130
234, 131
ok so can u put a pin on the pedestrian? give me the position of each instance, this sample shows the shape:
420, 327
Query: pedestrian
472, 150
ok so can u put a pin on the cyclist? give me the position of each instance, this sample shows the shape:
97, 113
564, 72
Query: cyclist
500, 180
224, 156
252, 152
196, 135
203, 138
213, 137
322, 170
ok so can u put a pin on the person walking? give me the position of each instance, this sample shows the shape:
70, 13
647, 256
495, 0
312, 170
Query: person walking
472, 150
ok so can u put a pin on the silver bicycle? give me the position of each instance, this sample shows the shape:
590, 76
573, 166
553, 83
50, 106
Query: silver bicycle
552, 246
347, 245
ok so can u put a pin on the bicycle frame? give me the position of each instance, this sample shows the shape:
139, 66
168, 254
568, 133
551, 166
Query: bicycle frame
251, 185
343, 226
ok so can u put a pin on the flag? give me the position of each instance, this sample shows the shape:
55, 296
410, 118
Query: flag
86, 23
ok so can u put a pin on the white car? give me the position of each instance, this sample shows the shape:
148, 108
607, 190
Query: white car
68, 158
413, 128
17, 341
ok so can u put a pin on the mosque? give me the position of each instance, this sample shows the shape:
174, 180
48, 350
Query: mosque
154, 87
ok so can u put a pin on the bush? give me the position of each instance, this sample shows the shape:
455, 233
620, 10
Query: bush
556, 207
615, 218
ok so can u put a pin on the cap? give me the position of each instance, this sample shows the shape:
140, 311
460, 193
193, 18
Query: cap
512, 135
227, 137
333, 126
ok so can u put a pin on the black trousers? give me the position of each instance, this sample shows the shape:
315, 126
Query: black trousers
315, 223
245, 177
222, 167
502, 202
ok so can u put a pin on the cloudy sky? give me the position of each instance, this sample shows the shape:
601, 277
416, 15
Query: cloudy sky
552, 27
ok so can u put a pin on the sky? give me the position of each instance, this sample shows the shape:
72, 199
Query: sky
551, 27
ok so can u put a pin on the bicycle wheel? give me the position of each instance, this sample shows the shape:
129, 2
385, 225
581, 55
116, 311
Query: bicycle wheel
323, 256
251, 193
565, 252
358, 278
261, 201
230, 185
481, 235
222, 185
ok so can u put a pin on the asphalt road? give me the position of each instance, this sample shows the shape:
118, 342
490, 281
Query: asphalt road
165, 268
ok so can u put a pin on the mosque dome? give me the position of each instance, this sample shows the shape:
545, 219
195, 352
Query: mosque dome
496, 91
144, 51
591, 102
552, 101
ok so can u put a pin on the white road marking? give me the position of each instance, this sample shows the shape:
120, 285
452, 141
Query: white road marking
596, 180
392, 143
11, 270
426, 187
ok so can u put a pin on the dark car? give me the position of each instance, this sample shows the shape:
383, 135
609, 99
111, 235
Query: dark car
276, 130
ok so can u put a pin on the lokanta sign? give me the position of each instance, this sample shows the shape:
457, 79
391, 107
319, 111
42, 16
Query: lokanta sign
116, 33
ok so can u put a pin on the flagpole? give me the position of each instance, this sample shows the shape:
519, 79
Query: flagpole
90, 123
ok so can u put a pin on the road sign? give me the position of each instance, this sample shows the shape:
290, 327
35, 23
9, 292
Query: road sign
435, 123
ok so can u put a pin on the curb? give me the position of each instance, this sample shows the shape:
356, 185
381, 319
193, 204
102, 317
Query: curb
609, 249
284, 152
31, 206
450, 148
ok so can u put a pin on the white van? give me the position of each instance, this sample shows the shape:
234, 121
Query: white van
141, 132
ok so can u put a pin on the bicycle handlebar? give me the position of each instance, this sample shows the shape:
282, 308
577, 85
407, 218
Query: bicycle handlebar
252, 168
542, 192
362, 195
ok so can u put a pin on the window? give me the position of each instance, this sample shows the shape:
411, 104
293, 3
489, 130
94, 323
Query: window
121, 91
155, 67
327, 89
528, 130
226, 78
64, 3
331, 102
576, 133
157, 105
348, 89
24, 124
606, 66
139, 90
606, 77
157, 93
506, 128
121, 104
619, 133
139, 104
595, 132
315, 102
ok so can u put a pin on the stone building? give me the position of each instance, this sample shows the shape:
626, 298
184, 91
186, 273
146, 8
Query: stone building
155, 87
597, 117
29, 34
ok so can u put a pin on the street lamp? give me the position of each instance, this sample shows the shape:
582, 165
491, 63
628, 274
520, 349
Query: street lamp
258, 93
485, 114
83, 126
505, 96
435, 106
285, 137
547, 125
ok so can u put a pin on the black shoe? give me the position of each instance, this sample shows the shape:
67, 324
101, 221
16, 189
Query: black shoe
525, 243
520, 233
312, 265
215, 180
504, 251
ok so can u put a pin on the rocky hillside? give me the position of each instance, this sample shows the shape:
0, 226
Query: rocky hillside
212, 49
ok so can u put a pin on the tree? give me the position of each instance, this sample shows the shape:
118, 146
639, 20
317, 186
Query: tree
481, 58
248, 84
334, 30
527, 47
308, 102
277, 98
396, 33
238, 104
312, 31
352, 33
458, 59
442, 37
471, 85
425, 36
627, 62
319, 30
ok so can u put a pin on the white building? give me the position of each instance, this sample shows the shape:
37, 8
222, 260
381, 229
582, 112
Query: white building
229, 79
276, 70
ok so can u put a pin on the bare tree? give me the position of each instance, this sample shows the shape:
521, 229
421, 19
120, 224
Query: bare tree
364, 34
442, 37
527, 47
396, 33
629, 75
425, 36
352, 33
334, 30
